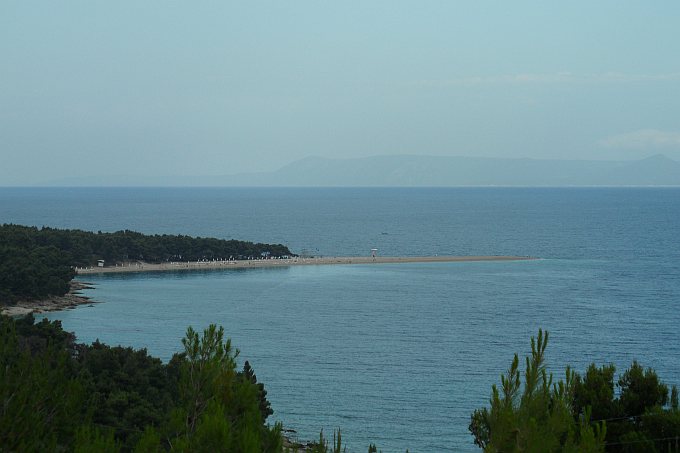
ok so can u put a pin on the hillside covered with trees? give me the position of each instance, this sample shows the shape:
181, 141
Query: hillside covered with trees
38, 262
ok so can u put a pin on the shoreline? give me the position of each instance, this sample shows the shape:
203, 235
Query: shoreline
70, 300
73, 298
245, 264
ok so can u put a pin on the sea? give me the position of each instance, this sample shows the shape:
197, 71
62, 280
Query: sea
398, 355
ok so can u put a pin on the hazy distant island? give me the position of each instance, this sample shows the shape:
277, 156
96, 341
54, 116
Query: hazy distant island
445, 171
424, 171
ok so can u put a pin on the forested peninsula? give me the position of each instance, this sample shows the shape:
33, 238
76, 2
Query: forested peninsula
40, 262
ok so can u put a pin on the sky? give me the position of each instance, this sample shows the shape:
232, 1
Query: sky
165, 88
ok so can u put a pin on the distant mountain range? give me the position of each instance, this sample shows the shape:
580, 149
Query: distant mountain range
414, 171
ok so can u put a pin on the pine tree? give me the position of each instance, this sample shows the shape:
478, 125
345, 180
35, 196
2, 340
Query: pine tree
265, 407
537, 417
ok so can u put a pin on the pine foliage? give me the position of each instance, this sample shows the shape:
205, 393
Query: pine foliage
57, 395
536, 416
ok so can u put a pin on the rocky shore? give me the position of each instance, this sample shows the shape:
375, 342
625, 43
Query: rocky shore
53, 303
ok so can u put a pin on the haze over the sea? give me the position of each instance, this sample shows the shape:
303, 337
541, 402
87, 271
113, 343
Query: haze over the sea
119, 93
421, 171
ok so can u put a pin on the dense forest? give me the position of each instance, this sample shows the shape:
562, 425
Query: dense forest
37, 262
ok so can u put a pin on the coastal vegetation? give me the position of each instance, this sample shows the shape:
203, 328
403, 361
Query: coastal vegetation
39, 262
580, 413
58, 395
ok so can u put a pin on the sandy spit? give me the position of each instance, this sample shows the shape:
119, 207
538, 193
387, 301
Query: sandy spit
73, 298
206, 265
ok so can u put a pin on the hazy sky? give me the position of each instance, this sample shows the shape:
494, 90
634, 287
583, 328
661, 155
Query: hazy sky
168, 88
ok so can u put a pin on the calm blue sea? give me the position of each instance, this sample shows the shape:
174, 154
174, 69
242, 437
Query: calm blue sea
396, 354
